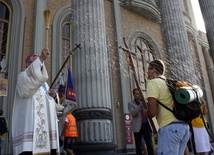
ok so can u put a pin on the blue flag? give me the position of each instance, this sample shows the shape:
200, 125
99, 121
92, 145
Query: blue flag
70, 92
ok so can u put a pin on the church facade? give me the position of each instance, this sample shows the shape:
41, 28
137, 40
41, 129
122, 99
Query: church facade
103, 80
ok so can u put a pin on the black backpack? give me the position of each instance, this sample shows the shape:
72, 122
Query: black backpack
185, 112
3, 126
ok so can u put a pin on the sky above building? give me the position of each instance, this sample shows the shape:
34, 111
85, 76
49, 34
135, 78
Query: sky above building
198, 15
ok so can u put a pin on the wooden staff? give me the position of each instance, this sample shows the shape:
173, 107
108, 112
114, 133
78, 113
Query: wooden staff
63, 65
152, 125
47, 25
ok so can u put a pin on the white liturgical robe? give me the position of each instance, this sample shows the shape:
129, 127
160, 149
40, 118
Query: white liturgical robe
34, 119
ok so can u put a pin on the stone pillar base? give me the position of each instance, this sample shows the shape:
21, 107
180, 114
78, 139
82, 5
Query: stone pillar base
92, 149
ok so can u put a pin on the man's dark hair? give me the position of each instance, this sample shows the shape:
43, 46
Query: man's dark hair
158, 65
135, 89
61, 88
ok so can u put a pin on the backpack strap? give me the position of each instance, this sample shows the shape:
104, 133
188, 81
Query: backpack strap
165, 106
162, 103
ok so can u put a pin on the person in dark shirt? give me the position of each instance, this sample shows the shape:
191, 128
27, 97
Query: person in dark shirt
139, 124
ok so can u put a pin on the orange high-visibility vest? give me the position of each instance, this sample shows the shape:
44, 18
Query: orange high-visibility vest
71, 130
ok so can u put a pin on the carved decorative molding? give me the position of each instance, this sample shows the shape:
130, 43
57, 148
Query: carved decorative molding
144, 8
92, 114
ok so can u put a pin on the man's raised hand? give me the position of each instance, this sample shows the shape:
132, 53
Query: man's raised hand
45, 54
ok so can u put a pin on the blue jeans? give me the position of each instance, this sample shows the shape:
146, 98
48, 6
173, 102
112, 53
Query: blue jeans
173, 138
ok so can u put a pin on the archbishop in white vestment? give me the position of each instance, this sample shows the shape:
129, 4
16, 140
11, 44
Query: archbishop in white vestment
34, 119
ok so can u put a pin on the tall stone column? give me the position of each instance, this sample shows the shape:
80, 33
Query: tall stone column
207, 9
179, 60
209, 86
210, 68
91, 78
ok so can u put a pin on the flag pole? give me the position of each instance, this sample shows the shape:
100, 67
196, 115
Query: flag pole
63, 65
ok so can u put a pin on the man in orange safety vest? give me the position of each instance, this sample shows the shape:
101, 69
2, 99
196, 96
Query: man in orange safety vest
70, 133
